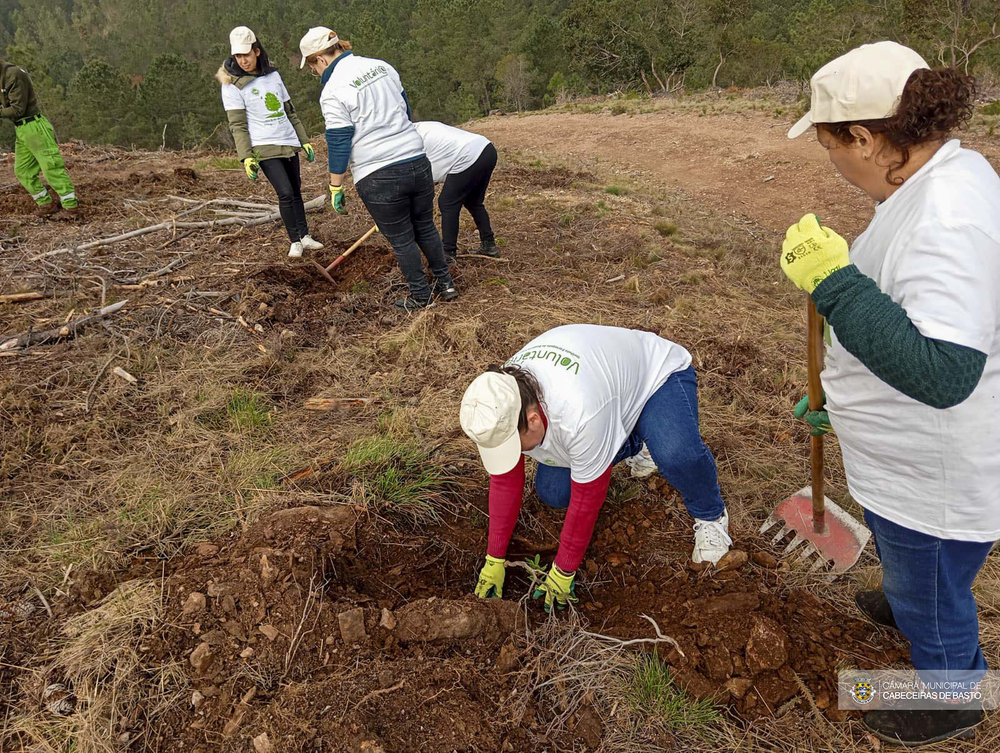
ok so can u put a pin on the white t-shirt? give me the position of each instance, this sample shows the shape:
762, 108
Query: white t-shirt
595, 382
450, 150
366, 93
934, 248
264, 100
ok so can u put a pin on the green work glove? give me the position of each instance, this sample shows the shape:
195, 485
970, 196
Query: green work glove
490, 585
558, 588
310, 152
818, 420
251, 165
338, 199
811, 253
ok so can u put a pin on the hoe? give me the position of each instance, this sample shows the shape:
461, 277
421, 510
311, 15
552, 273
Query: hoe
325, 271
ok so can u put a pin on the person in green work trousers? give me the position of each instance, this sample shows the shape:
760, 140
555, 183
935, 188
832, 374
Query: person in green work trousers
912, 374
36, 149
268, 132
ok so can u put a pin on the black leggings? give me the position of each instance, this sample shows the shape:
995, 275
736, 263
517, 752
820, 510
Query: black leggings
283, 173
468, 189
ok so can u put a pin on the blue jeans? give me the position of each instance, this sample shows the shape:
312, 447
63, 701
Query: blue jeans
400, 198
928, 582
668, 425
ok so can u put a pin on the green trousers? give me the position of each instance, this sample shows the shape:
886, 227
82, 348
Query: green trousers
36, 151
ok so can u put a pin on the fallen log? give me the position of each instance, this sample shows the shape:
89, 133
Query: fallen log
69, 329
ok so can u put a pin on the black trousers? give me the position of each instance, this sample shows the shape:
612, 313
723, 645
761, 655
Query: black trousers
400, 198
468, 189
284, 174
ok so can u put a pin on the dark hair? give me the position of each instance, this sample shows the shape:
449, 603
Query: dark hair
263, 61
527, 385
934, 103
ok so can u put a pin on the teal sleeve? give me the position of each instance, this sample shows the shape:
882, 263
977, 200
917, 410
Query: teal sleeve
879, 333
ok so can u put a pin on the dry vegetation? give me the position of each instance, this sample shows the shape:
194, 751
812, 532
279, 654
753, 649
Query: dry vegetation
108, 486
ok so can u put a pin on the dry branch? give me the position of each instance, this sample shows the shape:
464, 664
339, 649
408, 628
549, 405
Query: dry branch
261, 219
18, 297
69, 329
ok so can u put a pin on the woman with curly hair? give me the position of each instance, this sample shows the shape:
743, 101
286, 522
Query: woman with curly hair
912, 372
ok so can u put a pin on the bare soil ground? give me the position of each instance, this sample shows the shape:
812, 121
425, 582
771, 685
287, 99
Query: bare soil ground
269, 539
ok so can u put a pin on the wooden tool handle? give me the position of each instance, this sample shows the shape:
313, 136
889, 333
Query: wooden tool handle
815, 366
348, 252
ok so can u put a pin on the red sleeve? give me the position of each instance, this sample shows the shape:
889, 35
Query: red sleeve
585, 502
506, 493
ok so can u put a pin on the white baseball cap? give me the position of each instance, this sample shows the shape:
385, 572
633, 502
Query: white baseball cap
317, 39
241, 40
490, 408
864, 84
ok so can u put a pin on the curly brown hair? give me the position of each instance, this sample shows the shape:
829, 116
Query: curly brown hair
934, 104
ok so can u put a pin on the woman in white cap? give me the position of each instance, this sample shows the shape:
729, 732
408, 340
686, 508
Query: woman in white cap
464, 162
912, 374
368, 129
267, 130
579, 399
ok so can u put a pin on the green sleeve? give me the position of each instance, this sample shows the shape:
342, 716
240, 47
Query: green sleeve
296, 122
18, 96
879, 333
241, 134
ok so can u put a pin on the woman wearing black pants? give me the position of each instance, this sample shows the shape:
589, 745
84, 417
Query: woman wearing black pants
465, 162
267, 130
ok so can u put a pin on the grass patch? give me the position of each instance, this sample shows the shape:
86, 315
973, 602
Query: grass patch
220, 163
617, 191
396, 476
651, 692
993, 108
361, 287
245, 412
665, 228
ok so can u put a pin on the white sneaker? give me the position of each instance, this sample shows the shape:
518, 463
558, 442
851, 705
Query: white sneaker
711, 539
296, 250
642, 465
311, 244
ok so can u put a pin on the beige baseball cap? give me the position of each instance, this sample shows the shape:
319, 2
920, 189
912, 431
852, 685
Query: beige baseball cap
864, 84
241, 40
490, 408
317, 39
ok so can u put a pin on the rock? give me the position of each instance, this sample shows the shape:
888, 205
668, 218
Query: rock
235, 629
735, 602
352, 625
246, 653
207, 550
767, 647
738, 686
228, 604
429, 620
765, 559
214, 589
719, 663
267, 570
194, 603
370, 746
197, 699
698, 686
507, 659
269, 631
233, 725
734, 559
617, 559
388, 620
698, 567
262, 744
202, 658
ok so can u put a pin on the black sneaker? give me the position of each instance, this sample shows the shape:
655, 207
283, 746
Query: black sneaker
445, 292
875, 607
487, 248
410, 304
915, 728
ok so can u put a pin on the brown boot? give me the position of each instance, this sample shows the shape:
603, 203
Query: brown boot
72, 211
47, 210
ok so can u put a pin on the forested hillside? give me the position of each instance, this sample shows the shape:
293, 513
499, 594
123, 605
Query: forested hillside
127, 72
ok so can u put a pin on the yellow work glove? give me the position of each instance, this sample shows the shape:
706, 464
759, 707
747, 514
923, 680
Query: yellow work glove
490, 585
310, 152
558, 588
338, 199
251, 165
811, 253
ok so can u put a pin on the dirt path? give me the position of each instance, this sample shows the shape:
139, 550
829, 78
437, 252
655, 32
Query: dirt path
739, 163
